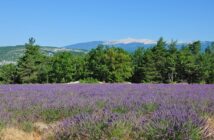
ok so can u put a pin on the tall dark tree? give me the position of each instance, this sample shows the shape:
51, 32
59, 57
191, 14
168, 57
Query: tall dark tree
159, 56
138, 63
208, 64
195, 47
171, 62
44, 70
29, 63
96, 65
189, 67
149, 69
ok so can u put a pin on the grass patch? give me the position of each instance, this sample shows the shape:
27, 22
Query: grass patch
165, 130
21, 113
27, 126
100, 104
53, 115
149, 107
120, 110
2, 125
120, 130
96, 131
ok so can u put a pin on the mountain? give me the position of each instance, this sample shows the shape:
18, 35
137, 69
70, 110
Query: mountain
129, 44
10, 54
85, 45
131, 40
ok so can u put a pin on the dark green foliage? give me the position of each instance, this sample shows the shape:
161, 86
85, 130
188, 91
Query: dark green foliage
171, 63
166, 64
63, 68
66, 67
44, 70
109, 64
96, 63
150, 71
149, 65
80, 67
195, 47
139, 64
8, 74
159, 57
189, 67
207, 64
29, 64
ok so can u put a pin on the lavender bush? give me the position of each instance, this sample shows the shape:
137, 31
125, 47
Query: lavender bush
110, 111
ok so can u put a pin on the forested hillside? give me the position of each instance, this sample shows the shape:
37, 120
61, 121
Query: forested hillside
10, 54
162, 63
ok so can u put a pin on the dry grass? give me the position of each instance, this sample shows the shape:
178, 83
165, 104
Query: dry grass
45, 130
209, 128
41, 131
16, 134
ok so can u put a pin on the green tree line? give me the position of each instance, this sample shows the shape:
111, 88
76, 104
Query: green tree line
162, 63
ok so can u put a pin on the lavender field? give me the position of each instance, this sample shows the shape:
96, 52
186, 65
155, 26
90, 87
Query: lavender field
109, 111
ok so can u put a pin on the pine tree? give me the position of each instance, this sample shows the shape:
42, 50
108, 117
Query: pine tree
189, 67
149, 69
208, 64
159, 56
138, 63
29, 63
171, 62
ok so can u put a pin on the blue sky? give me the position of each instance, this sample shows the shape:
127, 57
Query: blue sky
64, 22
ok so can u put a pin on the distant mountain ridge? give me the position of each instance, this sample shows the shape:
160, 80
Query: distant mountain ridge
129, 44
85, 45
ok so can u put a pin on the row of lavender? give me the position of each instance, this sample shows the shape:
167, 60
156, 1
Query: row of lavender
111, 111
